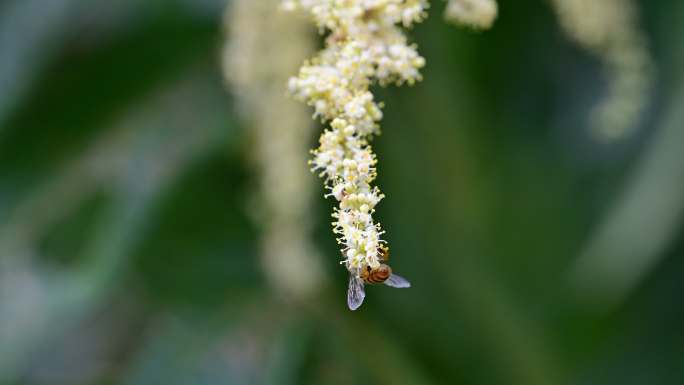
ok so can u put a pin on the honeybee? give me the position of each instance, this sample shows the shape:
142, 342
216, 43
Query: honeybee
381, 274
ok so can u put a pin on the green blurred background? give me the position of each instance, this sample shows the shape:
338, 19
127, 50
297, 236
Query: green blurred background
537, 254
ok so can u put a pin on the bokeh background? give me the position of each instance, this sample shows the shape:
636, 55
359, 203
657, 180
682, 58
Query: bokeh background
538, 254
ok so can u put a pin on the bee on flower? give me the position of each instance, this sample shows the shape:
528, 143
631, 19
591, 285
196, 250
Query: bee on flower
382, 273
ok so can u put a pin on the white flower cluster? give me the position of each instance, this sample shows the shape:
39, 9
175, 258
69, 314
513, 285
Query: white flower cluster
366, 45
478, 14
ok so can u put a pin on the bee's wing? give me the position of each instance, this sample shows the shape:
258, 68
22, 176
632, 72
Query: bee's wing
355, 293
397, 281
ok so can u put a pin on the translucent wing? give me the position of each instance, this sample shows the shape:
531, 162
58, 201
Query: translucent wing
397, 281
355, 293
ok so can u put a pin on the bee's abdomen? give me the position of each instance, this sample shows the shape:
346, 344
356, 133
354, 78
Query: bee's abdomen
379, 275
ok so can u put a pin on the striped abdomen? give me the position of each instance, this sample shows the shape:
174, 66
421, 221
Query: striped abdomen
378, 275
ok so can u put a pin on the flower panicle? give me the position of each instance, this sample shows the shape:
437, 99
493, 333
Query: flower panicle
366, 45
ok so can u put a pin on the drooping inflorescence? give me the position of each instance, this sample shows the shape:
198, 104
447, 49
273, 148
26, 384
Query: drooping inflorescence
610, 30
258, 35
365, 45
